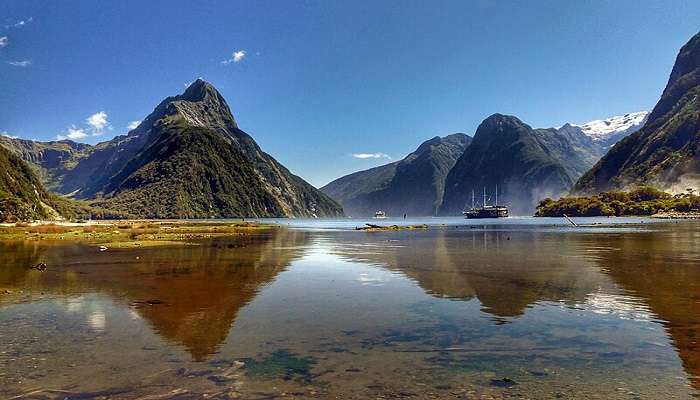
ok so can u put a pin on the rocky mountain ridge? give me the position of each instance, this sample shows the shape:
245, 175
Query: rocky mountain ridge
665, 152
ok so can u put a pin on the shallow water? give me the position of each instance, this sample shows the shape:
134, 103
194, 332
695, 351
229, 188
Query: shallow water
518, 309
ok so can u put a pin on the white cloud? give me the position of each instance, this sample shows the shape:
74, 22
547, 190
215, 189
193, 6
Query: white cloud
21, 23
4, 41
21, 63
133, 125
236, 57
7, 134
73, 134
98, 122
370, 155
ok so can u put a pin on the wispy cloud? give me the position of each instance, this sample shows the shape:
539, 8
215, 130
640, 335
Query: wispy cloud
133, 125
20, 63
73, 134
236, 57
370, 155
4, 41
21, 23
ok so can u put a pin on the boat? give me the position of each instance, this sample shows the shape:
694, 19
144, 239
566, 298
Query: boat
486, 211
380, 215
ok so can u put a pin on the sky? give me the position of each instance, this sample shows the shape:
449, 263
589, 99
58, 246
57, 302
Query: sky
331, 87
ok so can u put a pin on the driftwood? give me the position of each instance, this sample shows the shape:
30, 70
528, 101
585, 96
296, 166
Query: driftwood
39, 267
373, 227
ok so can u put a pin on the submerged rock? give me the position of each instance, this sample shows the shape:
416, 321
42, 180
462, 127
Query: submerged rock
503, 382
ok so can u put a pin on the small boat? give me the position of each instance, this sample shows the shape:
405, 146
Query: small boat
494, 211
379, 215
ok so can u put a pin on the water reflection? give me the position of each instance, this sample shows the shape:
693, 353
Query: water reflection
345, 313
189, 294
506, 271
656, 272
662, 269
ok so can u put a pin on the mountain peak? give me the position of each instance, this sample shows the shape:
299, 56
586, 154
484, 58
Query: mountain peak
199, 90
202, 105
496, 120
497, 124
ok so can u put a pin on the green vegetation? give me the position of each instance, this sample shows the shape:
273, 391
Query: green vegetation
644, 200
186, 174
126, 234
21, 193
23, 197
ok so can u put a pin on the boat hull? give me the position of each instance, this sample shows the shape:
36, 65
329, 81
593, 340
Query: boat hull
491, 212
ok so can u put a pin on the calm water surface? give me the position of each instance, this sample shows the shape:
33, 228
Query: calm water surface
526, 308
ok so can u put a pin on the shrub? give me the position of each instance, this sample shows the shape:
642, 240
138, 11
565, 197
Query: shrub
643, 200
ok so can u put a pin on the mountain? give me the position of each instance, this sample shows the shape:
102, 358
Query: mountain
609, 131
665, 152
576, 151
413, 185
527, 165
50, 160
23, 197
187, 159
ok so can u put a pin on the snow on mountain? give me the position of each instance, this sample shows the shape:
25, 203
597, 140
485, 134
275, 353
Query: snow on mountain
615, 128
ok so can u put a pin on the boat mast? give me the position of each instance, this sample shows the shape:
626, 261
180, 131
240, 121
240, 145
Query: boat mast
472, 199
496, 195
484, 203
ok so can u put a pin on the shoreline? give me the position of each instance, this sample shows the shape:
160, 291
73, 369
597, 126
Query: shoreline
676, 215
130, 233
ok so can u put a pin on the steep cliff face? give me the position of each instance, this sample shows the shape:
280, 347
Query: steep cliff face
22, 197
665, 152
524, 163
413, 185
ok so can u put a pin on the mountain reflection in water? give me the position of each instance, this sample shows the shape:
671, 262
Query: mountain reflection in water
356, 309
508, 271
188, 294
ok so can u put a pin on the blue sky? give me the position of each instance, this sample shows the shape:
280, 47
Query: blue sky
315, 82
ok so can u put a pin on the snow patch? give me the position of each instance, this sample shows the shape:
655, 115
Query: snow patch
603, 129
